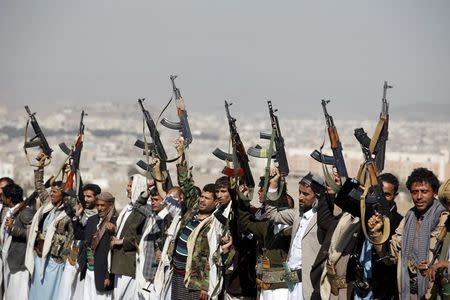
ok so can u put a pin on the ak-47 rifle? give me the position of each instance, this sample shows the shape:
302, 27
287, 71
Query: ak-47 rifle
239, 157
39, 139
372, 195
183, 125
377, 144
337, 159
280, 152
74, 153
156, 147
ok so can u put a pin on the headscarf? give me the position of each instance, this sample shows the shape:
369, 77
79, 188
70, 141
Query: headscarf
138, 186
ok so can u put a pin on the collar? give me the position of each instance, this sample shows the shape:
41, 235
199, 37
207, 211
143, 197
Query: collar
309, 214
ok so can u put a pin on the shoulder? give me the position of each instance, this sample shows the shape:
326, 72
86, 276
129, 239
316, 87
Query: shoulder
27, 214
92, 219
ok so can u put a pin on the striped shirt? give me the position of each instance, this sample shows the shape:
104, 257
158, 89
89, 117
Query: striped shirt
181, 252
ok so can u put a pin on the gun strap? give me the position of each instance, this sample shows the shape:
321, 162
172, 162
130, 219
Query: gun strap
386, 221
48, 159
377, 133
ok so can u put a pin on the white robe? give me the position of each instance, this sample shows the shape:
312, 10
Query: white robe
90, 291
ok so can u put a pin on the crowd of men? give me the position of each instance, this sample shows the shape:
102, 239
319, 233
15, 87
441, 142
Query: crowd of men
186, 242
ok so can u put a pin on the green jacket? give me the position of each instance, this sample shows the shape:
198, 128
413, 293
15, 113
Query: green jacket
197, 273
273, 246
123, 259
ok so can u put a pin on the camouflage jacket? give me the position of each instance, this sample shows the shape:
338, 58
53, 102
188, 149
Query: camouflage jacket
197, 272
63, 237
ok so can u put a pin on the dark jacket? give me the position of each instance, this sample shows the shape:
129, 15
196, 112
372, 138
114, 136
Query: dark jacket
19, 233
100, 256
385, 276
123, 259
273, 246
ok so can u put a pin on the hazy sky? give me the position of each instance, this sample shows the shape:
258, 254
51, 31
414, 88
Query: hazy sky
293, 52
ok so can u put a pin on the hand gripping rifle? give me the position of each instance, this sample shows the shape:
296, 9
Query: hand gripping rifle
154, 148
239, 157
377, 145
373, 195
38, 140
183, 125
74, 155
337, 159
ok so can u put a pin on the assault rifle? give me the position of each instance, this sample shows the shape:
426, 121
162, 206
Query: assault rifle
280, 153
381, 133
156, 147
337, 159
239, 157
183, 125
39, 138
375, 196
74, 154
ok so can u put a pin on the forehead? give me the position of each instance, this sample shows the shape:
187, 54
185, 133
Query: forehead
207, 194
101, 202
87, 192
421, 186
305, 188
221, 189
55, 188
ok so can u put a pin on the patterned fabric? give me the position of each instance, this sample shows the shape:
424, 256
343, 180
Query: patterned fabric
429, 222
180, 292
62, 240
154, 243
181, 252
90, 259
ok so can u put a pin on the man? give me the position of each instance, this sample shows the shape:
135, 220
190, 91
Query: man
13, 235
49, 240
415, 236
384, 277
191, 251
153, 237
124, 244
350, 268
90, 193
273, 246
304, 243
93, 259
4, 181
239, 274
70, 281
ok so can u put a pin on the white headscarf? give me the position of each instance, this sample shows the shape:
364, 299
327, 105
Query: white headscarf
138, 186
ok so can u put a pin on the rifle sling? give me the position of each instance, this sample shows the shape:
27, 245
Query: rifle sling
376, 134
386, 221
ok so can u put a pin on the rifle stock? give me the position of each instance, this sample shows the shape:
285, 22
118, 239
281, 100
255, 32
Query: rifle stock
183, 125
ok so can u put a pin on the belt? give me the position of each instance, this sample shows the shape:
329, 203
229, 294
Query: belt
273, 275
294, 276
